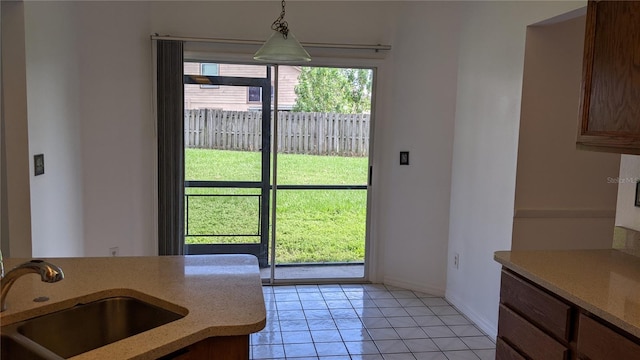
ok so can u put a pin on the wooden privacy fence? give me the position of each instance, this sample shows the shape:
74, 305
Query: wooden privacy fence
298, 133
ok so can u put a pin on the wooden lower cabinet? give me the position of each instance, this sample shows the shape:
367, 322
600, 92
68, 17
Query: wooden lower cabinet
505, 352
215, 348
539, 307
528, 338
536, 324
597, 341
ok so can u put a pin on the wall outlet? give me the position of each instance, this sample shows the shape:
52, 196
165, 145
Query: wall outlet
114, 251
456, 260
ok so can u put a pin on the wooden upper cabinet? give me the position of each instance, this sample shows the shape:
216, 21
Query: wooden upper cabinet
610, 100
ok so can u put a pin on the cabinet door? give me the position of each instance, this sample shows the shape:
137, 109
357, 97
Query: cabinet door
527, 338
610, 102
215, 348
506, 352
545, 311
599, 342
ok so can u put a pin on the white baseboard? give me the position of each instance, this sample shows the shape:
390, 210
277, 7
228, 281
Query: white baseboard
410, 285
488, 327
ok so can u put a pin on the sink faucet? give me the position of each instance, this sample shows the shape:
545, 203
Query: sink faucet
48, 273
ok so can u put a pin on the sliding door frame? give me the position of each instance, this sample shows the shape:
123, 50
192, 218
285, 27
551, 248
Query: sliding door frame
371, 252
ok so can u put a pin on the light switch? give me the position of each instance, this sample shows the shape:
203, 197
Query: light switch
38, 164
404, 158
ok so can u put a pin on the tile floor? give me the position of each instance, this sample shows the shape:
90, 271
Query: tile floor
368, 322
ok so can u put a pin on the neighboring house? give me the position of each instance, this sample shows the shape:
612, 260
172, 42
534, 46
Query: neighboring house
237, 98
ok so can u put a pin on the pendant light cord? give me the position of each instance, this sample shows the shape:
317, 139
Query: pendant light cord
280, 25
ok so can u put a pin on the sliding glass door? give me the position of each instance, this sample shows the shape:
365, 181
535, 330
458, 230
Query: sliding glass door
316, 179
322, 174
227, 157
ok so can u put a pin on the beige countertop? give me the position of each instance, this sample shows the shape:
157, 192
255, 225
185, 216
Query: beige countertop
603, 282
221, 295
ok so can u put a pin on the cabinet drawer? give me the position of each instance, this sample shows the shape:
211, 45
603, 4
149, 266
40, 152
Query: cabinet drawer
537, 306
527, 338
506, 352
598, 342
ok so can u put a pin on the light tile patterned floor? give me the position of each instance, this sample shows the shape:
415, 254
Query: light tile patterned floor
365, 322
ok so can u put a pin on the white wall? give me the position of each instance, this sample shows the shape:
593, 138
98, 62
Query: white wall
53, 95
114, 113
117, 130
563, 199
414, 206
485, 147
15, 132
628, 215
118, 138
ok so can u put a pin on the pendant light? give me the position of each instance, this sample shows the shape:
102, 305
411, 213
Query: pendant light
282, 46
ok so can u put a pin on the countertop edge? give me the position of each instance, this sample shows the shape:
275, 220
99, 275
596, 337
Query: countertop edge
568, 296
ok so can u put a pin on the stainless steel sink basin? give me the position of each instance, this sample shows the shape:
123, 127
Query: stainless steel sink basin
88, 326
11, 348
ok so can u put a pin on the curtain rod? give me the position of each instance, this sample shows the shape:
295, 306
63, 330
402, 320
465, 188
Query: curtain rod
258, 42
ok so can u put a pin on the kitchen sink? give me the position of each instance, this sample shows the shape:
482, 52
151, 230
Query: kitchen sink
11, 348
85, 327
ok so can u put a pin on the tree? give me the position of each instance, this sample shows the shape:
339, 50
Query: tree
346, 91
360, 96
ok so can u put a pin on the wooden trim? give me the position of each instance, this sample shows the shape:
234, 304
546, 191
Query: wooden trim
587, 69
619, 142
564, 214
617, 148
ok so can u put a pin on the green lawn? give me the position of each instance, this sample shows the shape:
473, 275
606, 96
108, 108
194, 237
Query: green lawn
312, 225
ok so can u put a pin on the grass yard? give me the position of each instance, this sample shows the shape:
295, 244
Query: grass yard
312, 225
